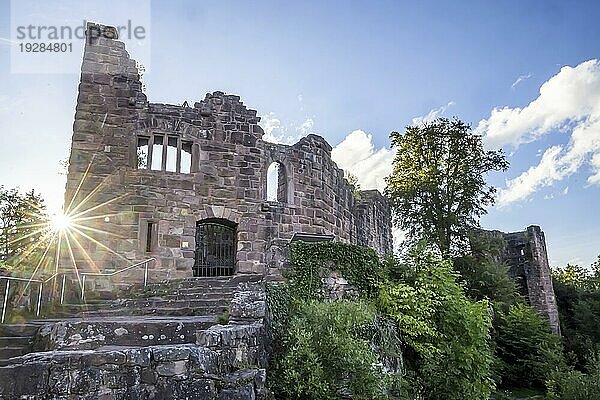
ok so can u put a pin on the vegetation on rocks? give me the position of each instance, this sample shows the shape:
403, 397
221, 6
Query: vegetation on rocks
451, 321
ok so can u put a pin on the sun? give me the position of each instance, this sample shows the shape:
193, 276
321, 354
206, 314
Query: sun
60, 222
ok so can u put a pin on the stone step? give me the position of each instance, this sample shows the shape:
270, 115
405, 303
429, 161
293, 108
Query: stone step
26, 329
200, 295
172, 303
12, 351
222, 282
91, 333
153, 302
159, 311
15, 341
198, 290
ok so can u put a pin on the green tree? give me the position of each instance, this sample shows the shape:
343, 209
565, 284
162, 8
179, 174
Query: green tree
437, 187
577, 292
446, 334
22, 222
483, 273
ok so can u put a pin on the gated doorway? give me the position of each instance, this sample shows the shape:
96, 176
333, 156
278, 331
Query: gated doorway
215, 247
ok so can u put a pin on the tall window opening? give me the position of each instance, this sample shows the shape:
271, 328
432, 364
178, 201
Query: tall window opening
172, 154
277, 183
215, 248
186, 157
157, 153
164, 153
142, 152
150, 237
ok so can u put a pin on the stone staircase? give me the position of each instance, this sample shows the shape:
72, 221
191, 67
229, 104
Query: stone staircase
164, 313
16, 340
167, 340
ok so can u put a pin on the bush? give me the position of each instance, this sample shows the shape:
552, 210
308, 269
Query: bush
447, 333
526, 349
577, 293
483, 274
327, 354
574, 385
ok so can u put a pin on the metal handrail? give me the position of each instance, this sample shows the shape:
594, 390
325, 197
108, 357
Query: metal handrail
145, 263
28, 280
62, 292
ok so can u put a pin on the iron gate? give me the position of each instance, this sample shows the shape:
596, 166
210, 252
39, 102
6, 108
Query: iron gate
215, 248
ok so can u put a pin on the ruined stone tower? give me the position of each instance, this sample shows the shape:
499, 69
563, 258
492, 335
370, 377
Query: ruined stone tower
527, 257
187, 185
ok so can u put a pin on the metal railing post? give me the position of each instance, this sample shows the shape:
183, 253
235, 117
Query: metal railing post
5, 300
83, 288
146, 274
62, 291
39, 302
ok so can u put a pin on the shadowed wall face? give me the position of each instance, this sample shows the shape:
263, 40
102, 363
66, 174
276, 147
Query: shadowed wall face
527, 257
158, 171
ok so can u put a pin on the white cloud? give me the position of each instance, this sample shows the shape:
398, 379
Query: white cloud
520, 79
357, 155
568, 97
276, 132
595, 179
568, 102
269, 123
432, 115
307, 127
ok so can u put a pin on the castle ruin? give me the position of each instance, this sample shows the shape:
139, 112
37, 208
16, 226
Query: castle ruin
527, 257
188, 185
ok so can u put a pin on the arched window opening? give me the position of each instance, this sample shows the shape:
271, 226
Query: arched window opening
215, 247
277, 183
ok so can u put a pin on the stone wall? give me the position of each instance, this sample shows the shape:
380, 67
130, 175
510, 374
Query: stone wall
227, 178
226, 369
527, 257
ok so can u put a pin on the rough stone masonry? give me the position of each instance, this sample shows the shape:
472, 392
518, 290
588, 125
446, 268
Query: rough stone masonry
527, 257
187, 185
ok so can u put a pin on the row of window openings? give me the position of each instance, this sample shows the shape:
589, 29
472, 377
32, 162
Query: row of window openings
164, 153
170, 153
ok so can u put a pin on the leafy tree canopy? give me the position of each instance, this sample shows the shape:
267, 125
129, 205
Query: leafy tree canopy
483, 273
437, 187
22, 221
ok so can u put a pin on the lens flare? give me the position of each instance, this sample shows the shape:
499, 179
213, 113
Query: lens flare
60, 222
60, 242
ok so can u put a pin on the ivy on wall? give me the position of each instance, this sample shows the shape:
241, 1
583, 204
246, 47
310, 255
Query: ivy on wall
310, 262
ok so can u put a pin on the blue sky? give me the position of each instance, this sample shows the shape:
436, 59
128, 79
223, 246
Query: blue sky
355, 71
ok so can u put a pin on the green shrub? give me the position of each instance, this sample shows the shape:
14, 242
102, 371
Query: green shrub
223, 318
483, 274
577, 293
310, 262
327, 354
574, 385
526, 350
